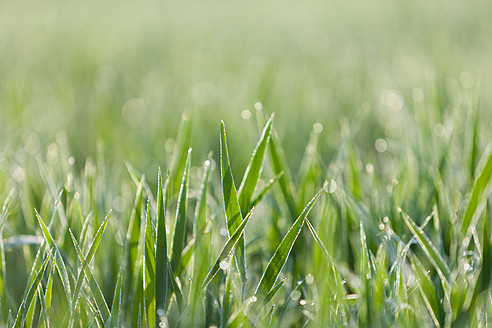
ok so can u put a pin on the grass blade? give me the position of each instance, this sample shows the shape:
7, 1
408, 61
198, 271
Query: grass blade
429, 248
102, 306
280, 168
231, 202
149, 273
180, 225
115, 309
253, 169
226, 250
59, 263
279, 258
29, 298
479, 187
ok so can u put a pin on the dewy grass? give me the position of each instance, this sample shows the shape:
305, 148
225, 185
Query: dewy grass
283, 249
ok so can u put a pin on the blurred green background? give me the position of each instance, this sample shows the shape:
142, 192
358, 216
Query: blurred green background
124, 72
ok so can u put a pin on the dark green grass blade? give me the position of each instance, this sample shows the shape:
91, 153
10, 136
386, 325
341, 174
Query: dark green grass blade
102, 306
29, 298
279, 165
233, 240
59, 263
231, 202
180, 225
271, 294
479, 187
115, 309
253, 169
428, 247
279, 258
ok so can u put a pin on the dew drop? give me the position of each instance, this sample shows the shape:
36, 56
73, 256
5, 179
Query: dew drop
295, 295
224, 265
309, 279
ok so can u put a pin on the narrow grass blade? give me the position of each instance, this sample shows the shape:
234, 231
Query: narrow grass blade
133, 233
428, 247
253, 169
280, 166
29, 298
180, 225
149, 273
231, 202
115, 309
226, 302
102, 306
271, 294
86, 262
226, 251
60, 264
180, 153
265, 190
279, 258
161, 259
479, 187
427, 290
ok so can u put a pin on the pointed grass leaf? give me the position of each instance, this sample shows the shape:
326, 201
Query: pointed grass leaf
253, 169
148, 270
226, 250
231, 202
428, 247
479, 187
180, 225
88, 259
59, 263
115, 309
102, 306
279, 258
162, 289
29, 298
280, 166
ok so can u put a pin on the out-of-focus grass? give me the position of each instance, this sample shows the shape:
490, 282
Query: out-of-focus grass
384, 105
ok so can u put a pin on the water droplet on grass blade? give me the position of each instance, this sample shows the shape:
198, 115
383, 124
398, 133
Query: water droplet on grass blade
309, 279
295, 295
246, 114
224, 265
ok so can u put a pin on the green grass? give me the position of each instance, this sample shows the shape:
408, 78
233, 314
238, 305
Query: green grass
364, 201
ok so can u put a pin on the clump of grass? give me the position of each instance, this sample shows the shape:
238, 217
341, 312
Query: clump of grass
337, 246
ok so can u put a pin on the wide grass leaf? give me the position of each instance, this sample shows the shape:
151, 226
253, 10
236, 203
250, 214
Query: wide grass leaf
279, 258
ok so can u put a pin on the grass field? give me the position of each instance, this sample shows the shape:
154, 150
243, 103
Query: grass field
256, 164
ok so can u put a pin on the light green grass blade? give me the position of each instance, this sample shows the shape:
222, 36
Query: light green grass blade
180, 225
479, 187
115, 309
231, 202
253, 169
281, 168
201, 251
149, 273
59, 263
279, 258
265, 190
162, 288
180, 153
48, 295
226, 302
133, 233
29, 298
428, 247
271, 294
226, 250
102, 306
427, 290
88, 259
